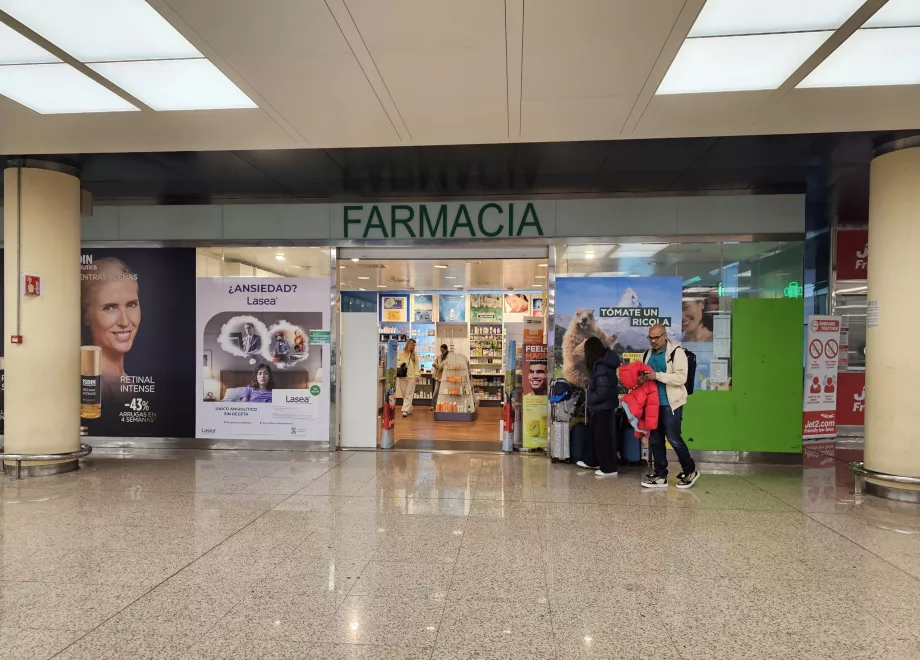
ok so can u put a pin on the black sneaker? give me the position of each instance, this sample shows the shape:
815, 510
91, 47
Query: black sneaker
655, 482
688, 480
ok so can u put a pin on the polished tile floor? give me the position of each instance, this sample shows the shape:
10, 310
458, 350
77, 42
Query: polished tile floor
407, 556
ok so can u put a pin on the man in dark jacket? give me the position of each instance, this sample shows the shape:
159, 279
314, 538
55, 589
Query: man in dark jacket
602, 403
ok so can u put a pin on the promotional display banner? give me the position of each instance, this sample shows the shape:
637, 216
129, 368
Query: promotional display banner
486, 308
617, 310
260, 378
851, 399
452, 308
852, 254
423, 308
822, 348
535, 401
394, 309
138, 350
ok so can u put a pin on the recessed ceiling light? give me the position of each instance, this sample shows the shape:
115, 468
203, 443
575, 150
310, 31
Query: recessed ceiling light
279, 257
721, 18
458, 286
543, 265
102, 30
356, 260
742, 63
589, 255
361, 277
341, 267
896, 13
16, 49
439, 266
360, 289
540, 277
176, 84
381, 286
449, 277
52, 89
870, 58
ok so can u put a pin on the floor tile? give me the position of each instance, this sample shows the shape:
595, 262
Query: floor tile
386, 622
61, 606
521, 630
34, 644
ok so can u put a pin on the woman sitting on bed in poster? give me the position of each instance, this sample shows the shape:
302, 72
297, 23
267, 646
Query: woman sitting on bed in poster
260, 389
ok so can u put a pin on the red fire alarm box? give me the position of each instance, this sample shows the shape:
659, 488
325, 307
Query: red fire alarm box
31, 285
16, 339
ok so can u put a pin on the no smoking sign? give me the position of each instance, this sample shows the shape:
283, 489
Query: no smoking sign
831, 348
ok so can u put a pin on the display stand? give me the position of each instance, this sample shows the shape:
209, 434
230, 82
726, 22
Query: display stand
456, 402
486, 341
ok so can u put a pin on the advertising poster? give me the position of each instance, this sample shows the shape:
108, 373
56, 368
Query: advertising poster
698, 321
822, 347
486, 308
423, 308
138, 350
535, 387
260, 379
452, 308
517, 303
617, 310
851, 399
852, 254
394, 309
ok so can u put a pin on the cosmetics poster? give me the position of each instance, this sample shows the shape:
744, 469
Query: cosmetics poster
259, 377
138, 347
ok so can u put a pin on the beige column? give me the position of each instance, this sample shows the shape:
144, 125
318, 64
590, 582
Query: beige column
892, 363
41, 236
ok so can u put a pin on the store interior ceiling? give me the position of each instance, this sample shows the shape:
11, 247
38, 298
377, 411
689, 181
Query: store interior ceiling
443, 275
363, 73
282, 261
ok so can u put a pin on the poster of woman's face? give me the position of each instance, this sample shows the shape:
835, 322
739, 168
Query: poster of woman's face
516, 303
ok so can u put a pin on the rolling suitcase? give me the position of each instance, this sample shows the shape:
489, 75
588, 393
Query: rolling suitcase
559, 449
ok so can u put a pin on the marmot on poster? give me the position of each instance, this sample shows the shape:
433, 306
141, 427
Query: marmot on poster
582, 327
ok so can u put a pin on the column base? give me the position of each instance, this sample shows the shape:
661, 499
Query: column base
892, 492
42, 470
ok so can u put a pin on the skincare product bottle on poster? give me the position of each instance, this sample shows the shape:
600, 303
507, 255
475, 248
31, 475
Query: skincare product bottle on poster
90, 382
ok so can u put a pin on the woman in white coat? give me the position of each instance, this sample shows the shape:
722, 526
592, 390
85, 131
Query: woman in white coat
407, 359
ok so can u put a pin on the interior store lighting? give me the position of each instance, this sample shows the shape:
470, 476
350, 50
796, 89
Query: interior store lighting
102, 30
176, 84
131, 44
720, 18
637, 250
51, 89
869, 58
739, 63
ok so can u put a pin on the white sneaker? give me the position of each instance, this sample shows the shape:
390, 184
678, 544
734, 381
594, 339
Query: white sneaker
405, 414
584, 465
600, 474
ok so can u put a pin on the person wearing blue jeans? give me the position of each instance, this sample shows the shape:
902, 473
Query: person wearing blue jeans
669, 363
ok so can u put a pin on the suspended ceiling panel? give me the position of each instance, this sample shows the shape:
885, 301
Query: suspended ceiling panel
586, 62
444, 65
295, 56
366, 73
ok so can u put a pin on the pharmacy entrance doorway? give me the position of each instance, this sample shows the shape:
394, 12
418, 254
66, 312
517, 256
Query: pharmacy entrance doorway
445, 324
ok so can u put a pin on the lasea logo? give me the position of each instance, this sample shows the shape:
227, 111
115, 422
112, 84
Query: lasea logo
859, 401
209, 431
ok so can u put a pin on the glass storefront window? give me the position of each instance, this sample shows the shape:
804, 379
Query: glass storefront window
711, 275
262, 262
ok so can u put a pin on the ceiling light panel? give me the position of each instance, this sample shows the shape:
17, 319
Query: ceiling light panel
896, 13
743, 63
176, 84
58, 89
102, 30
16, 49
871, 58
721, 18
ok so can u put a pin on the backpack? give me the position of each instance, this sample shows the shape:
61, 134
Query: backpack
691, 366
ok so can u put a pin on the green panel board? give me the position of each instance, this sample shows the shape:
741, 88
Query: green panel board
763, 410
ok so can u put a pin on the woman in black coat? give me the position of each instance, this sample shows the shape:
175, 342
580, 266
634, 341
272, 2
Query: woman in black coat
602, 404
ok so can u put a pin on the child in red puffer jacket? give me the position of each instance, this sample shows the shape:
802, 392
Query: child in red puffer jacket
641, 403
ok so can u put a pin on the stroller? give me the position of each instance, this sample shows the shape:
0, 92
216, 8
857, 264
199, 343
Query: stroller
566, 402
